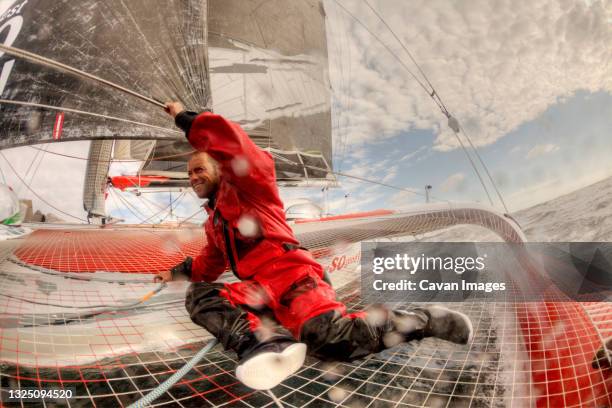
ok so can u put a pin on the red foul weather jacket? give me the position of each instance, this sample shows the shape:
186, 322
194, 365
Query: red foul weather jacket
246, 227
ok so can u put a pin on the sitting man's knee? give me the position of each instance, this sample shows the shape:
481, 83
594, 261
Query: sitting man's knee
316, 331
199, 294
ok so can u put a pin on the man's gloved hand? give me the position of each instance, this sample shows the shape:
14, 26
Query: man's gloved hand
174, 108
179, 272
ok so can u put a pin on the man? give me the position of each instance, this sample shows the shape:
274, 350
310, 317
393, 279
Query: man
282, 297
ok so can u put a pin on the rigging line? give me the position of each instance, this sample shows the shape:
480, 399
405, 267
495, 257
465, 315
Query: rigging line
275, 399
153, 203
144, 200
474, 167
39, 59
161, 389
486, 169
3, 178
88, 307
354, 177
165, 209
38, 165
142, 217
72, 275
170, 156
384, 45
117, 207
190, 217
36, 194
128, 206
435, 94
402, 45
146, 204
25, 176
98, 115
432, 94
347, 90
66, 319
159, 207
170, 206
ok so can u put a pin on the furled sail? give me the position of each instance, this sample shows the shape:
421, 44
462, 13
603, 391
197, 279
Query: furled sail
94, 190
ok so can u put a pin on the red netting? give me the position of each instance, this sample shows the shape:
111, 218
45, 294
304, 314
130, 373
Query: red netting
532, 354
110, 250
561, 340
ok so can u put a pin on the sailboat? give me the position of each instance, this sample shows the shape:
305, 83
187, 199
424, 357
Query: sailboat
79, 310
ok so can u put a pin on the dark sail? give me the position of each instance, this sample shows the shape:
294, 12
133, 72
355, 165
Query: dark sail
156, 48
269, 72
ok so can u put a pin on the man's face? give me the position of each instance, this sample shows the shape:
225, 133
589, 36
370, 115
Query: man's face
203, 175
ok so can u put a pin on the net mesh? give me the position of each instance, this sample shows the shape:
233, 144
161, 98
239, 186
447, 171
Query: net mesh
71, 319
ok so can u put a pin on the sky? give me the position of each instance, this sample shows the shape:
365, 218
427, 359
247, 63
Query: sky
530, 82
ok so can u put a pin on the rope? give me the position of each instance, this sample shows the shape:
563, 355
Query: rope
384, 45
80, 112
190, 217
433, 94
3, 178
106, 308
180, 373
75, 276
337, 173
36, 194
170, 156
39, 59
25, 175
129, 206
275, 399
164, 209
486, 169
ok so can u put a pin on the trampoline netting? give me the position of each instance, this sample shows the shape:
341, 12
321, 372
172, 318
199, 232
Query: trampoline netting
73, 317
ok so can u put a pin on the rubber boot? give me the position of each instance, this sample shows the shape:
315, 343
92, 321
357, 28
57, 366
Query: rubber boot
433, 321
268, 363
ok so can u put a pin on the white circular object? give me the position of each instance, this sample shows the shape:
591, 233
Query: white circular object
248, 226
240, 166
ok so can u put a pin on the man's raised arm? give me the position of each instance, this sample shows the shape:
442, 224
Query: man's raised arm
226, 142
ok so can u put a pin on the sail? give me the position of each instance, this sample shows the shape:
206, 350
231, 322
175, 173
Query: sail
269, 73
154, 48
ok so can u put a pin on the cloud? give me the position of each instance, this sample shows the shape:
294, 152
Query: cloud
496, 64
454, 183
541, 150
